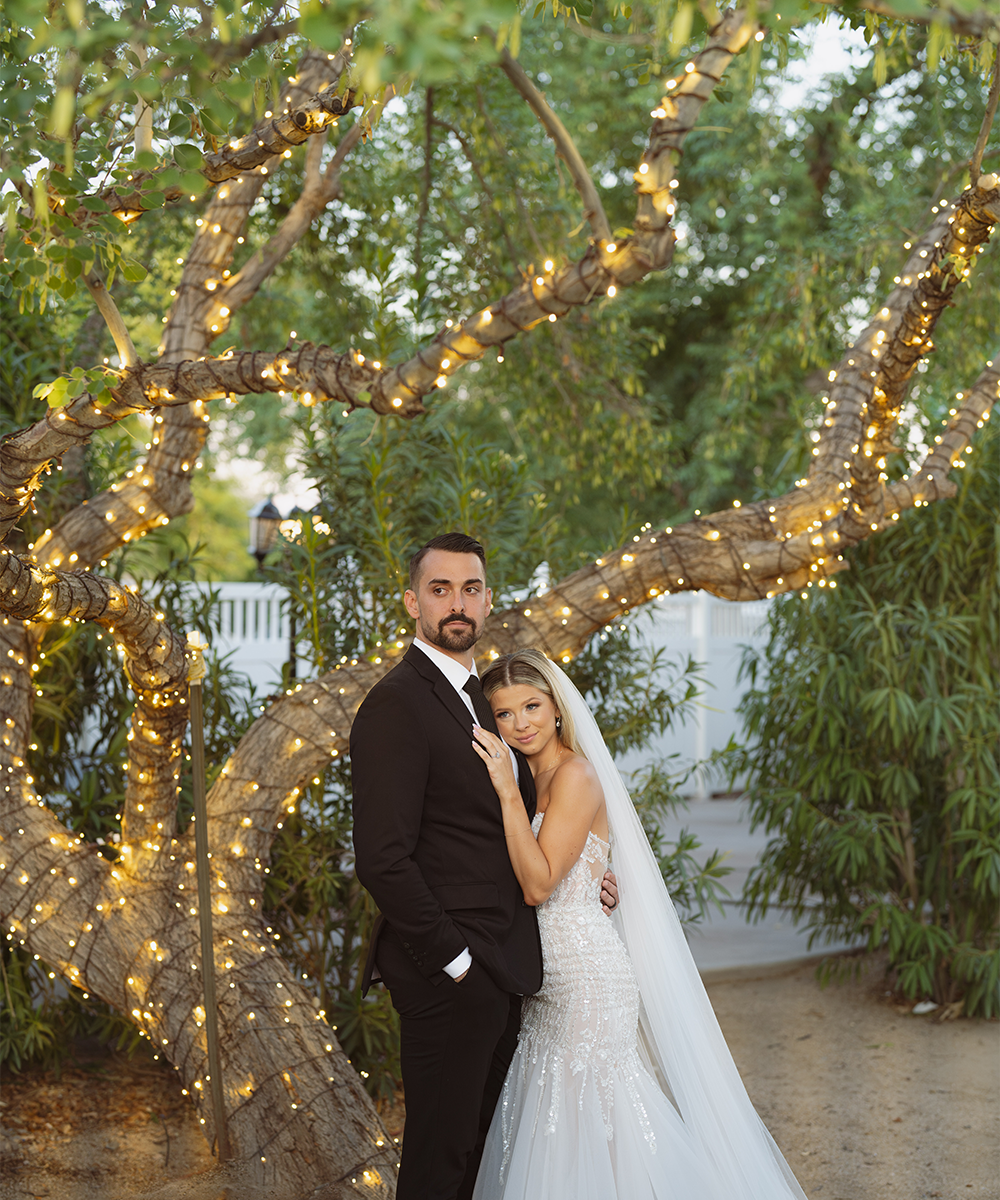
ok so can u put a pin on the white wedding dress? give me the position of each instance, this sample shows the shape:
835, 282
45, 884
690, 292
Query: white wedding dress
622, 1086
580, 1117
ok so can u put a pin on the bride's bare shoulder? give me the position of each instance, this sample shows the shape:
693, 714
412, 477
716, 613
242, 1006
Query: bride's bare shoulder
575, 771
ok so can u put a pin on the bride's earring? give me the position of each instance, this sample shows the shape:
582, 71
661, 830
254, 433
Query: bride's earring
558, 724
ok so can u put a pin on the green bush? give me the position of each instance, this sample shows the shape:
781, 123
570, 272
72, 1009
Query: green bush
872, 739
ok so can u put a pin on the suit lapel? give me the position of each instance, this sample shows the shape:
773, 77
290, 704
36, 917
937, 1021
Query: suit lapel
442, 688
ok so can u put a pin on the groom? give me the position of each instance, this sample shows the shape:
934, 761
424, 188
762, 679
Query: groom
456, 945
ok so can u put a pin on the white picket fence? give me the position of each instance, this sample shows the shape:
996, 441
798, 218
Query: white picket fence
253, 629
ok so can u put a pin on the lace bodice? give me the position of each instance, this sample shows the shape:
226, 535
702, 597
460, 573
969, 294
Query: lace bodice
588, 1005
582, 1025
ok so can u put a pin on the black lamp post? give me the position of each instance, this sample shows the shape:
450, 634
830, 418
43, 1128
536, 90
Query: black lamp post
264, 522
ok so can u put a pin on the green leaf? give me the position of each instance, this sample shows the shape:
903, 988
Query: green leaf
187, 156
193, 183
318, 28
133, 270
56, 393
147, 86
515, 35
63, 108
680, 30
880, 66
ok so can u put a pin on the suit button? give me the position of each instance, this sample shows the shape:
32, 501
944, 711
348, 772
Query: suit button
407, 945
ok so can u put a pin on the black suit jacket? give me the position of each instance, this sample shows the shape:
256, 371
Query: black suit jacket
428, 832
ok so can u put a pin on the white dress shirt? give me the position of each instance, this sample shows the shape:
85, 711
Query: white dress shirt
457, 676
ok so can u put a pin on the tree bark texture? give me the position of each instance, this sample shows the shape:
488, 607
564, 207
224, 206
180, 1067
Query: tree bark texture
126, 929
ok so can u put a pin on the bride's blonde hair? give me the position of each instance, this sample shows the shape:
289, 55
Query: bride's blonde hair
530, 668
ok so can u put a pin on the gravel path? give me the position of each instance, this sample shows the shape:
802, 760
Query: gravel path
866, 1101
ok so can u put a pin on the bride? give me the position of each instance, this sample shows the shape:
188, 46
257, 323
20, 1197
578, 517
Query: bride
622, 1085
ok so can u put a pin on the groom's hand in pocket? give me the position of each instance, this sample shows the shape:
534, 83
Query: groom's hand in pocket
609, 892
459, 978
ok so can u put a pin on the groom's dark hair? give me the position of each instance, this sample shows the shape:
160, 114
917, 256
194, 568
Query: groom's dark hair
454, 543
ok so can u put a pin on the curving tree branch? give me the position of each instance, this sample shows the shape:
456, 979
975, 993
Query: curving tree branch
320, 373
593, 210
868, 387
952, 447
963, 20
753, 551
299, 118
133, 941
112, 318
320, 188
870, 382
154, 661
976, 162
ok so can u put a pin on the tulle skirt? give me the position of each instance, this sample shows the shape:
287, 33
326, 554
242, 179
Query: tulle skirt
593, 1133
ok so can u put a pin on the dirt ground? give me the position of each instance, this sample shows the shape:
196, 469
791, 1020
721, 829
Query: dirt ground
866, 1100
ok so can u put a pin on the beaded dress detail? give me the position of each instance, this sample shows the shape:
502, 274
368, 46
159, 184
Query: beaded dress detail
579, 1116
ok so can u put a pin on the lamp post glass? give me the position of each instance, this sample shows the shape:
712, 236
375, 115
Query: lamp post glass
264, 522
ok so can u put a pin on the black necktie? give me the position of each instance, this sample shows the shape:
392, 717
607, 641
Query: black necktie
484, 714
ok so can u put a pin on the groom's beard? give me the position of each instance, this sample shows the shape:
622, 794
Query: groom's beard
453, 633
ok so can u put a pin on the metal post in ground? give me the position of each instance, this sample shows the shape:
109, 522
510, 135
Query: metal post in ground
196, 673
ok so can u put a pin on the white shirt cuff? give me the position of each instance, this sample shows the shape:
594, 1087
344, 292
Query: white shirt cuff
458, 966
